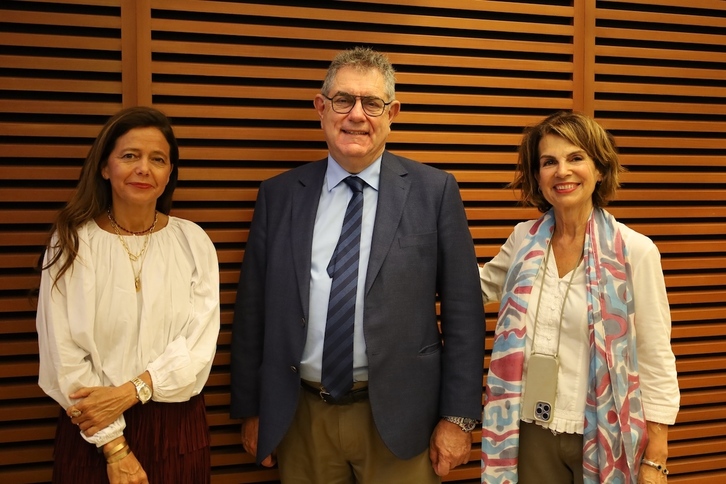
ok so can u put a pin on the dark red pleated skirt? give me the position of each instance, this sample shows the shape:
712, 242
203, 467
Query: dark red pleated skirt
170, 440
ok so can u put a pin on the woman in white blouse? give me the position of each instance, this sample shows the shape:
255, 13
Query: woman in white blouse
582, 383
128, 316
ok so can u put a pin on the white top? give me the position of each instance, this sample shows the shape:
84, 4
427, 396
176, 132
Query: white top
94, 329
656, 362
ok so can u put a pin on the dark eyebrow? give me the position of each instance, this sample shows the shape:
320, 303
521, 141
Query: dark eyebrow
139, 150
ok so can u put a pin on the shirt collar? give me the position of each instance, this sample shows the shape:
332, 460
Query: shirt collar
335, 173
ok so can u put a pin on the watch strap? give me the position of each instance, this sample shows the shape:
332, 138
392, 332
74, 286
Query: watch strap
466, 424
141, 386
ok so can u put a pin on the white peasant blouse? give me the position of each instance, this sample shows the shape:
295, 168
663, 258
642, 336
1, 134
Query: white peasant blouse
94, 329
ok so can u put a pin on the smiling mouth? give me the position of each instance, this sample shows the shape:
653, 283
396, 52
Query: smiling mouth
355, 133
565, 187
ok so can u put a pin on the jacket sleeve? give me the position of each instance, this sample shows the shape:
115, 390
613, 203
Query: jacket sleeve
249, 318
462, 311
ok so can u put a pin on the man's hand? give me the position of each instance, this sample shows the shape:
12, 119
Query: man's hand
449, 447
250, 431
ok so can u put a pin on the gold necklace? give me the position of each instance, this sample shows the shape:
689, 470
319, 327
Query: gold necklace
135, 257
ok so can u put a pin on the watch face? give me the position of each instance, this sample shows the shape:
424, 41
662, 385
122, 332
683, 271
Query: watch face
144, 394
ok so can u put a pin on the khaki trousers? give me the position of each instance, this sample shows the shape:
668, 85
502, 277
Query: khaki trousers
545, 458
339, 444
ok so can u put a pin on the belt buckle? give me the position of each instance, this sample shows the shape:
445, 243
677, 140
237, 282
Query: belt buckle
324, 395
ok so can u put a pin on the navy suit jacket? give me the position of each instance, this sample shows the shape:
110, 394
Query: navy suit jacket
421, 248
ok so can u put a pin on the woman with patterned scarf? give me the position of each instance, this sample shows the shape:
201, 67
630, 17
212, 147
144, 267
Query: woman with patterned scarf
582, 383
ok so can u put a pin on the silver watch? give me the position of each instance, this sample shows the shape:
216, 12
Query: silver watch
143, 392
466, 424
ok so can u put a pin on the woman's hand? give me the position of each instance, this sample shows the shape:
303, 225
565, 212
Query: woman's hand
98, 407
126, 471
656, 451
651, 475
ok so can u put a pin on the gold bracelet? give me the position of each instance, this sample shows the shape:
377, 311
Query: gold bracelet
115, 449
118, 456
656, 466
110, 456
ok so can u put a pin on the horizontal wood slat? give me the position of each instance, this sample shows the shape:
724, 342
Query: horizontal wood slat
59, 42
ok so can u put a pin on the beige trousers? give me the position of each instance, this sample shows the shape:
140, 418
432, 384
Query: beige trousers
339, 444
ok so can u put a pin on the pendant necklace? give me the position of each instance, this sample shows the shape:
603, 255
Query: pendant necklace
134, 257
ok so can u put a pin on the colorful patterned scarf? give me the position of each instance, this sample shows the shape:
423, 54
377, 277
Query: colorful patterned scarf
615, 433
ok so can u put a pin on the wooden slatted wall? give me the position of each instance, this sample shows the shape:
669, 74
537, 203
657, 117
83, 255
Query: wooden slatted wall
238, 78
60, 78
660, 87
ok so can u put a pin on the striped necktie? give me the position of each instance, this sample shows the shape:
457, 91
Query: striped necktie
337, 371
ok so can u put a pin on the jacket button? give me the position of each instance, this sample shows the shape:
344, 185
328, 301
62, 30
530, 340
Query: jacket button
303, 322
294, 369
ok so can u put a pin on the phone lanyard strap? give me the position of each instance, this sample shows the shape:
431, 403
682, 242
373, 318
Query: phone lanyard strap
539, 299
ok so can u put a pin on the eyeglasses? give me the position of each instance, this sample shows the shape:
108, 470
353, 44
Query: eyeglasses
344, 103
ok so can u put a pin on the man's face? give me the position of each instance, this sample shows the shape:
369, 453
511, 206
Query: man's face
356, 139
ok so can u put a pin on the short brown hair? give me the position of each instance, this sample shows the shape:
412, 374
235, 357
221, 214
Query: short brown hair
583, 132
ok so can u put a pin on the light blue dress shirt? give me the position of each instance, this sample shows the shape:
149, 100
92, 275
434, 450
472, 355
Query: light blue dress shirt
328, 224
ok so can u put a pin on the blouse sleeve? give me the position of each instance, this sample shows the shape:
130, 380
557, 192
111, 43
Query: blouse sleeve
493, 273
68, 356
656, 361
182, 369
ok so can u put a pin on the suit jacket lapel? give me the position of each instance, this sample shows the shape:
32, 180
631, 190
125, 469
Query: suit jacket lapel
392, 194
305, 199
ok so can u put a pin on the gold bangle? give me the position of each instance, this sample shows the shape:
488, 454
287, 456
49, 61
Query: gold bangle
118, 456
110, 456
114, 450
659, 467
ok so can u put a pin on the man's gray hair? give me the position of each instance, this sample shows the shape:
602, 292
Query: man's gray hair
362, 59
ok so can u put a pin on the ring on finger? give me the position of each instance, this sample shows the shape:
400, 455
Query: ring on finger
75, 413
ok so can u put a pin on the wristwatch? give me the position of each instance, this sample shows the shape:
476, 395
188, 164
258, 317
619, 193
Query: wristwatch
143, 392
466, 424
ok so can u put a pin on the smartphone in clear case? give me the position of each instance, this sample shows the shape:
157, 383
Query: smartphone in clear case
538, 402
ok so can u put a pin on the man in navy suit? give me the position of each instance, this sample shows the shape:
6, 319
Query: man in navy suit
415, 392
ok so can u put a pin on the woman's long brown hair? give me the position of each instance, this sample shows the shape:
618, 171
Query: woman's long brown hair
93, 194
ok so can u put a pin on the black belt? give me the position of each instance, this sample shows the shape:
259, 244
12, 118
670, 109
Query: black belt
353, 396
